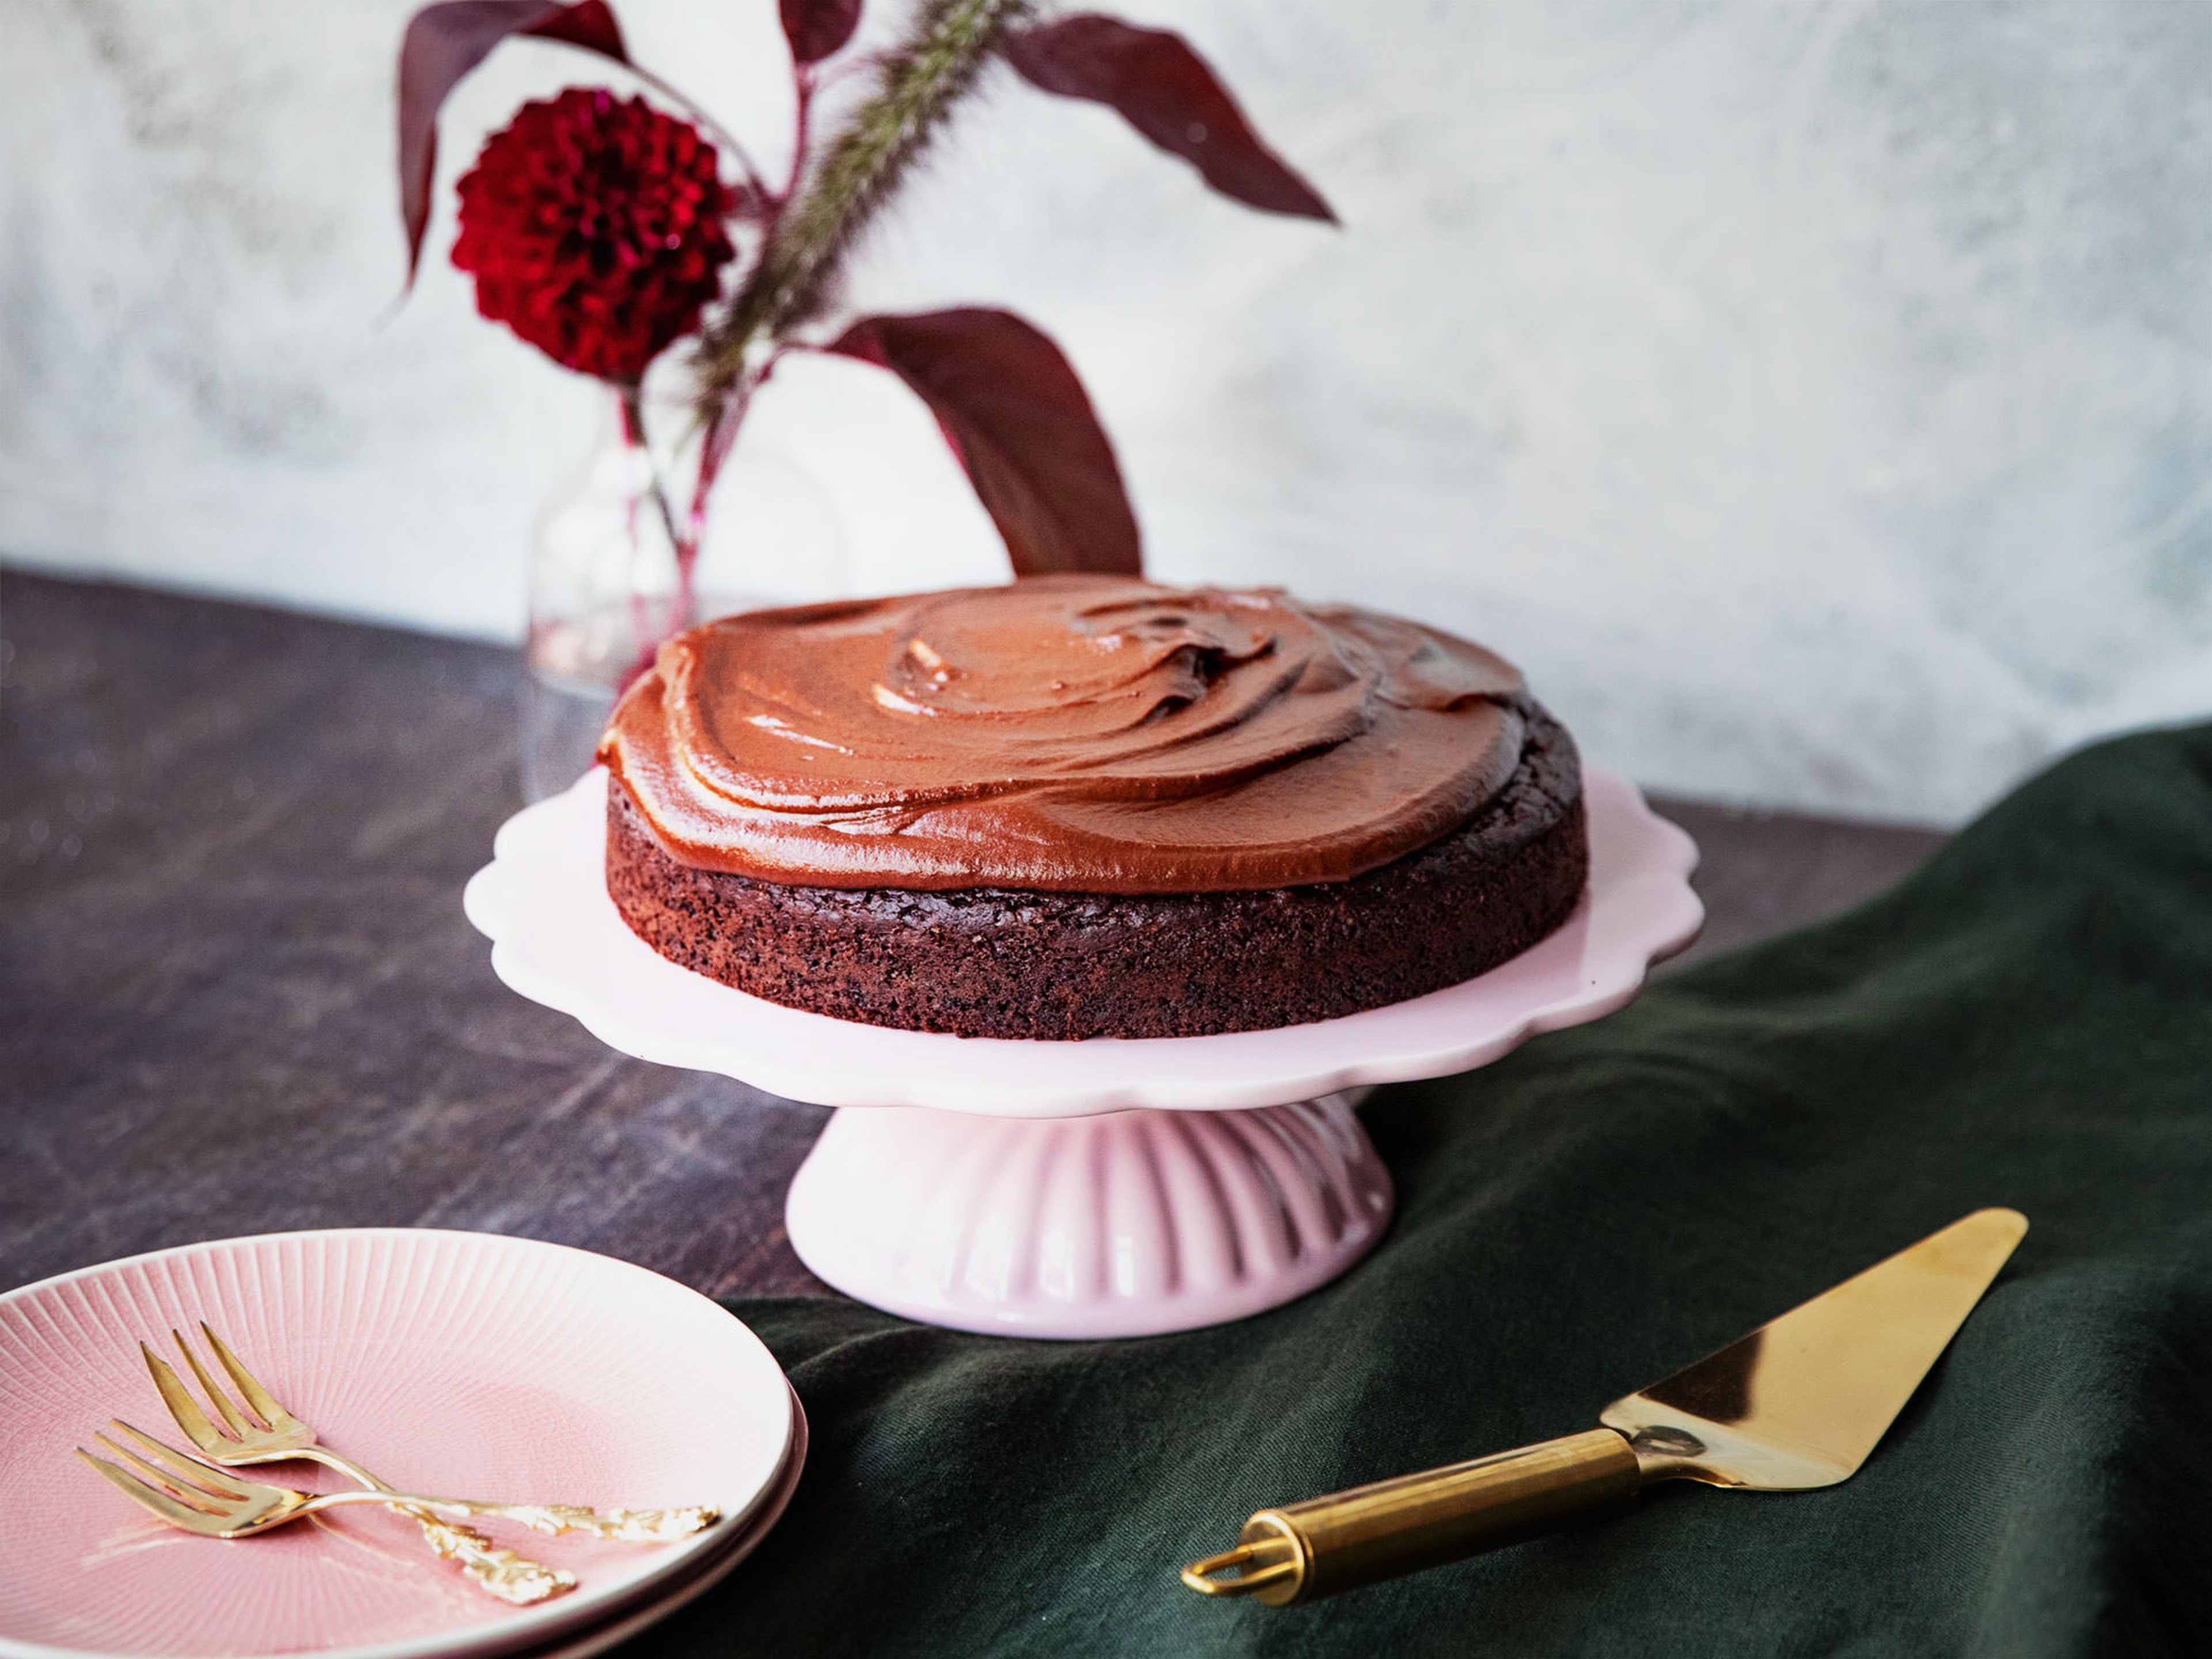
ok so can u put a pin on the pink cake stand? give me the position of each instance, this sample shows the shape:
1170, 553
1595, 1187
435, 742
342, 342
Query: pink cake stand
1074, 1189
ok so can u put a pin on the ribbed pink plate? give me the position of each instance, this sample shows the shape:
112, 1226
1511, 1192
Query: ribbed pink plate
462, 1364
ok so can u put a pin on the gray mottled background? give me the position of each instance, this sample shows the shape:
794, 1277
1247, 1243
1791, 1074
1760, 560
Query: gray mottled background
1815, 398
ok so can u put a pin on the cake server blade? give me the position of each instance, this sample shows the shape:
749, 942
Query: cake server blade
1801, 1401
1798, 1403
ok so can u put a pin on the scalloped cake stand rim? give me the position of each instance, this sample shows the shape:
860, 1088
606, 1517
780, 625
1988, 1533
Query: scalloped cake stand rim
558, 940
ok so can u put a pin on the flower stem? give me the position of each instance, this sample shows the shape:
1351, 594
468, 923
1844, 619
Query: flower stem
686, 548
801, 123
916, 86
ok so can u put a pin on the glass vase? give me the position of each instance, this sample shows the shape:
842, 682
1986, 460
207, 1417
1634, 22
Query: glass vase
605, 589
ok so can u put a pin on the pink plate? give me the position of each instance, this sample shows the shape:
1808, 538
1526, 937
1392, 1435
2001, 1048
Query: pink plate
463, 1363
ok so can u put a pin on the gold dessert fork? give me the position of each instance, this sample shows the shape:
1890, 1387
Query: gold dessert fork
279, 1436
200, 1496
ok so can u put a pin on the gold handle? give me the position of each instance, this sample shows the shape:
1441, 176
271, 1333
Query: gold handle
1298, 1551
630, 1526
514, 1578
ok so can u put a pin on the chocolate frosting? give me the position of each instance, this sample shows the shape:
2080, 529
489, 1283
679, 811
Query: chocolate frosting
1090, 735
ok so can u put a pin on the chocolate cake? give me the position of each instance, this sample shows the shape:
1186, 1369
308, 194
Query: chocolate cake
1085, 806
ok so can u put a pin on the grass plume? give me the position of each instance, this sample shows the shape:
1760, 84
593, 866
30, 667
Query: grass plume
917, 84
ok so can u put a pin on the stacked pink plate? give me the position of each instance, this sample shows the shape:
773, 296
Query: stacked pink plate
462, 1365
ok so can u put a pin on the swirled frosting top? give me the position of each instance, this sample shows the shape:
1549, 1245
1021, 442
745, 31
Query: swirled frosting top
1065, 734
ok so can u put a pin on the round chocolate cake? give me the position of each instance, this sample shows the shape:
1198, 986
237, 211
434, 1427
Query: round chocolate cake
1086, 806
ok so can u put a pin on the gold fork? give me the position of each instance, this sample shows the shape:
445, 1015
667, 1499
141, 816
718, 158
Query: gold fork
279, 1436
515, 1579
204, 1498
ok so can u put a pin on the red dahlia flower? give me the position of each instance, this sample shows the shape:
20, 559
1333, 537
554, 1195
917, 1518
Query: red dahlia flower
596, 230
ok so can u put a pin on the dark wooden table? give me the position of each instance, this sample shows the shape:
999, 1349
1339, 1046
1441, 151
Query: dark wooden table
237, 994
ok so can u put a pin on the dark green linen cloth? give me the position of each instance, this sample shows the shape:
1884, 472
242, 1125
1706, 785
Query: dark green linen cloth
2028, 1021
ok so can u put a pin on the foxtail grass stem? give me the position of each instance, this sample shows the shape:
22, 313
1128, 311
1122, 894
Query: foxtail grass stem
917, 84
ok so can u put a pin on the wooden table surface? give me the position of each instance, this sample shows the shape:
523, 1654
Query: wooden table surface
237, 994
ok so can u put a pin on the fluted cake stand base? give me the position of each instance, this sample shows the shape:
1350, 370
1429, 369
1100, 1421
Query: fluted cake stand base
1074, 1189
1125, 1224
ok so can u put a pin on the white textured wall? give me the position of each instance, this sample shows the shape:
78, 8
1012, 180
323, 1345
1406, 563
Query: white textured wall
1815, 398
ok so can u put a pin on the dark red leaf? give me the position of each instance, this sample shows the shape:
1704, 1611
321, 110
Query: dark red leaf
818, 27
1015, 416
589, 24
442, 43
1164, 90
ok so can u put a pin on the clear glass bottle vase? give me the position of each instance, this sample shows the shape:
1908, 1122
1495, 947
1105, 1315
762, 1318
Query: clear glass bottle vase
604, 590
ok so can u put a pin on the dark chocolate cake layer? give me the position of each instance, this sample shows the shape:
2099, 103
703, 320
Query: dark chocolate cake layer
995, 962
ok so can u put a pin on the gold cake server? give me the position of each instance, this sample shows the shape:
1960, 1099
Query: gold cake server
1798, 1403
